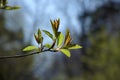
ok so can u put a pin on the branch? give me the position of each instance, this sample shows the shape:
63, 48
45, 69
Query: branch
18, 56
25, 55
63, 42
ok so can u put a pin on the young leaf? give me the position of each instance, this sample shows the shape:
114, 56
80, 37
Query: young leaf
16, 7
67, 38
57, 34
57, 23
49, 34
47, 45
38, 36
39, 33
11, 7
74, 46
60, 39
66, 52
30, 48
55, 26
7, 8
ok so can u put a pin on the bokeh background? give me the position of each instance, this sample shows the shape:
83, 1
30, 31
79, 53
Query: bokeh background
94, 24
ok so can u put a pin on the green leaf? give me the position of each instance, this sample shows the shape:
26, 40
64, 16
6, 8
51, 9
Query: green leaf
36, 38
16, 7
47, 45
60, 39
30, 48
39, 36
57, 34
49, 34
66, 52
11, 7
74, 46
39, 33
7, 8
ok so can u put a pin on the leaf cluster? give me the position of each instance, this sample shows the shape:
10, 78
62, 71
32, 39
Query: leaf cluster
60, 43
3, 5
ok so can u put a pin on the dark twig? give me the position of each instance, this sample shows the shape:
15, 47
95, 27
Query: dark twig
18, 56
25, 55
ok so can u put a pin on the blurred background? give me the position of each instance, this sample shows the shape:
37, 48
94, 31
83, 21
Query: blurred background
94, 24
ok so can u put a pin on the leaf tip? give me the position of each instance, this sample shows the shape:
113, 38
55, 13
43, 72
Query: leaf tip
29, 48
66, 52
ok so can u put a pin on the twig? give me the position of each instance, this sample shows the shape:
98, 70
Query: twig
18, 56
25, 55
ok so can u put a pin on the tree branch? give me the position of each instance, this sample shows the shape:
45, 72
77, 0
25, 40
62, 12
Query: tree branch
18, 56
25, 55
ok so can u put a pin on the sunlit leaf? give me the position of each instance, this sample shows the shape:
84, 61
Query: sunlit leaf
47, 45
74, 46
30, 48
60, 39
66, 52
49, 34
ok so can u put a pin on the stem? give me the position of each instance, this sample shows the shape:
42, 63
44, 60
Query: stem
53, 44
25, 55
41, 46
18, 56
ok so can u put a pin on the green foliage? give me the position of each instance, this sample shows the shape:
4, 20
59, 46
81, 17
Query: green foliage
55, 26
49, 34
38, 37
102, 59
47, 45
11, 7
29, 48
3, 5
66, 52
60, 40
73, 46
60, 43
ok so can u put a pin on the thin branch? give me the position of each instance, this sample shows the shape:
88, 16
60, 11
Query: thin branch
18, 56
25, 55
